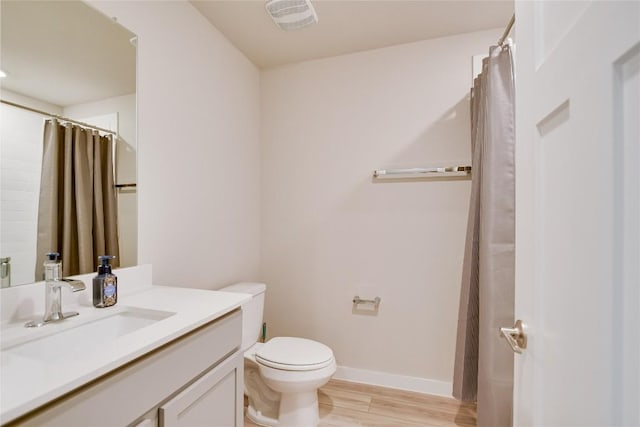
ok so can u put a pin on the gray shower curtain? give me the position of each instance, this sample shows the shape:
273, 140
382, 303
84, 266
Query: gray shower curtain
77, 207
484, 361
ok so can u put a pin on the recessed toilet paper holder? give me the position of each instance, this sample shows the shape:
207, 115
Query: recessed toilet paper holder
376, 301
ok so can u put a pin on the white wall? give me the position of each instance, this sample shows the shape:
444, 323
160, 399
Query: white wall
198, 147
329, 232
125, 107
21, 162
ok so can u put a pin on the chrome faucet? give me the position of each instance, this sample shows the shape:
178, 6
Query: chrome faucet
52, 293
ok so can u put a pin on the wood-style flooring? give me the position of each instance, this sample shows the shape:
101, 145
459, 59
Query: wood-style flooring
347, 404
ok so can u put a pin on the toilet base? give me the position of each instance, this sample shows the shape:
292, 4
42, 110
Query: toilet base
299, 409
258, 418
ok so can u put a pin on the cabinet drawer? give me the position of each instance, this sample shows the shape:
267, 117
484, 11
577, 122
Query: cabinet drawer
210, 401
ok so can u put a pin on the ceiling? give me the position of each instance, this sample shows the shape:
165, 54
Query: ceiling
64, 52
347, 26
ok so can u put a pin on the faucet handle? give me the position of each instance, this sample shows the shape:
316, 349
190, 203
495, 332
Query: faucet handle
53, 256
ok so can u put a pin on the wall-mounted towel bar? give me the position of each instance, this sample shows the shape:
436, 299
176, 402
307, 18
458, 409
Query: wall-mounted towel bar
416, 172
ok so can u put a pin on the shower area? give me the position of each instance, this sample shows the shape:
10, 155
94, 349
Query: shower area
59, 189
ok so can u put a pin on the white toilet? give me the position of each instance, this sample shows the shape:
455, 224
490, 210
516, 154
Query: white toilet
281, 376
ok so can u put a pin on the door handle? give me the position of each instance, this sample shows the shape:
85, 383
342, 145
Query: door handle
515, 337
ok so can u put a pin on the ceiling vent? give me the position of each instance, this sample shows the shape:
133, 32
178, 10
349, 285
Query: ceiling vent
291, 14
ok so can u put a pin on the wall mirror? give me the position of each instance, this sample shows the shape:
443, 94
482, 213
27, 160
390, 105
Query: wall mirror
65, 59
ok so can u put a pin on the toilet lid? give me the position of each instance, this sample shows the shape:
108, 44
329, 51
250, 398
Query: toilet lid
294, 354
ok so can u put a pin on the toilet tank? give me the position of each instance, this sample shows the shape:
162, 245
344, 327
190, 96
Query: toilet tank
252, 310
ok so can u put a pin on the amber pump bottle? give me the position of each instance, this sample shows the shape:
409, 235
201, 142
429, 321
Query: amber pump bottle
105, 284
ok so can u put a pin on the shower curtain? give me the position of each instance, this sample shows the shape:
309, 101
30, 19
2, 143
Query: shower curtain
484, 361
77, 208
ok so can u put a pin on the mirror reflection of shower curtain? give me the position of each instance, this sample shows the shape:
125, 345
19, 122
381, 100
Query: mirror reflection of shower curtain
484, 362
77, 208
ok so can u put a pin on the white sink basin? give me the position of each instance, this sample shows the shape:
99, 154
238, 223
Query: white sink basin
86, 336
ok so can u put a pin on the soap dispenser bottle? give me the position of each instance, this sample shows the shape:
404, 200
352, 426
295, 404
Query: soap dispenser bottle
105, 284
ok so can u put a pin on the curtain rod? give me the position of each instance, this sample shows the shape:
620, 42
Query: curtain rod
507, 30
66, 119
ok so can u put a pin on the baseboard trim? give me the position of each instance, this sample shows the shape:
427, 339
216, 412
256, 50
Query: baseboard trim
402, 382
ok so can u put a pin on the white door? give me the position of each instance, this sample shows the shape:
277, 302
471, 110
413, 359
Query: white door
578, 213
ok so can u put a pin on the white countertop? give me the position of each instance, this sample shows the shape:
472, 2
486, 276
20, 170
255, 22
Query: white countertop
27, 383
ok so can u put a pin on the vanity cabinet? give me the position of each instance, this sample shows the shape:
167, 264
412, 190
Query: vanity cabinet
195, 380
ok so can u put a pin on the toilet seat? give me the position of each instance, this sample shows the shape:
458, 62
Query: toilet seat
294, 354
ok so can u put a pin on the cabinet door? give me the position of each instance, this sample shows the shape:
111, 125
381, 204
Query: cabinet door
210, 401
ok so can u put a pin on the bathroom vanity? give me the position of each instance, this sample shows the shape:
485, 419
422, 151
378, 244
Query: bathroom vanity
163, 356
